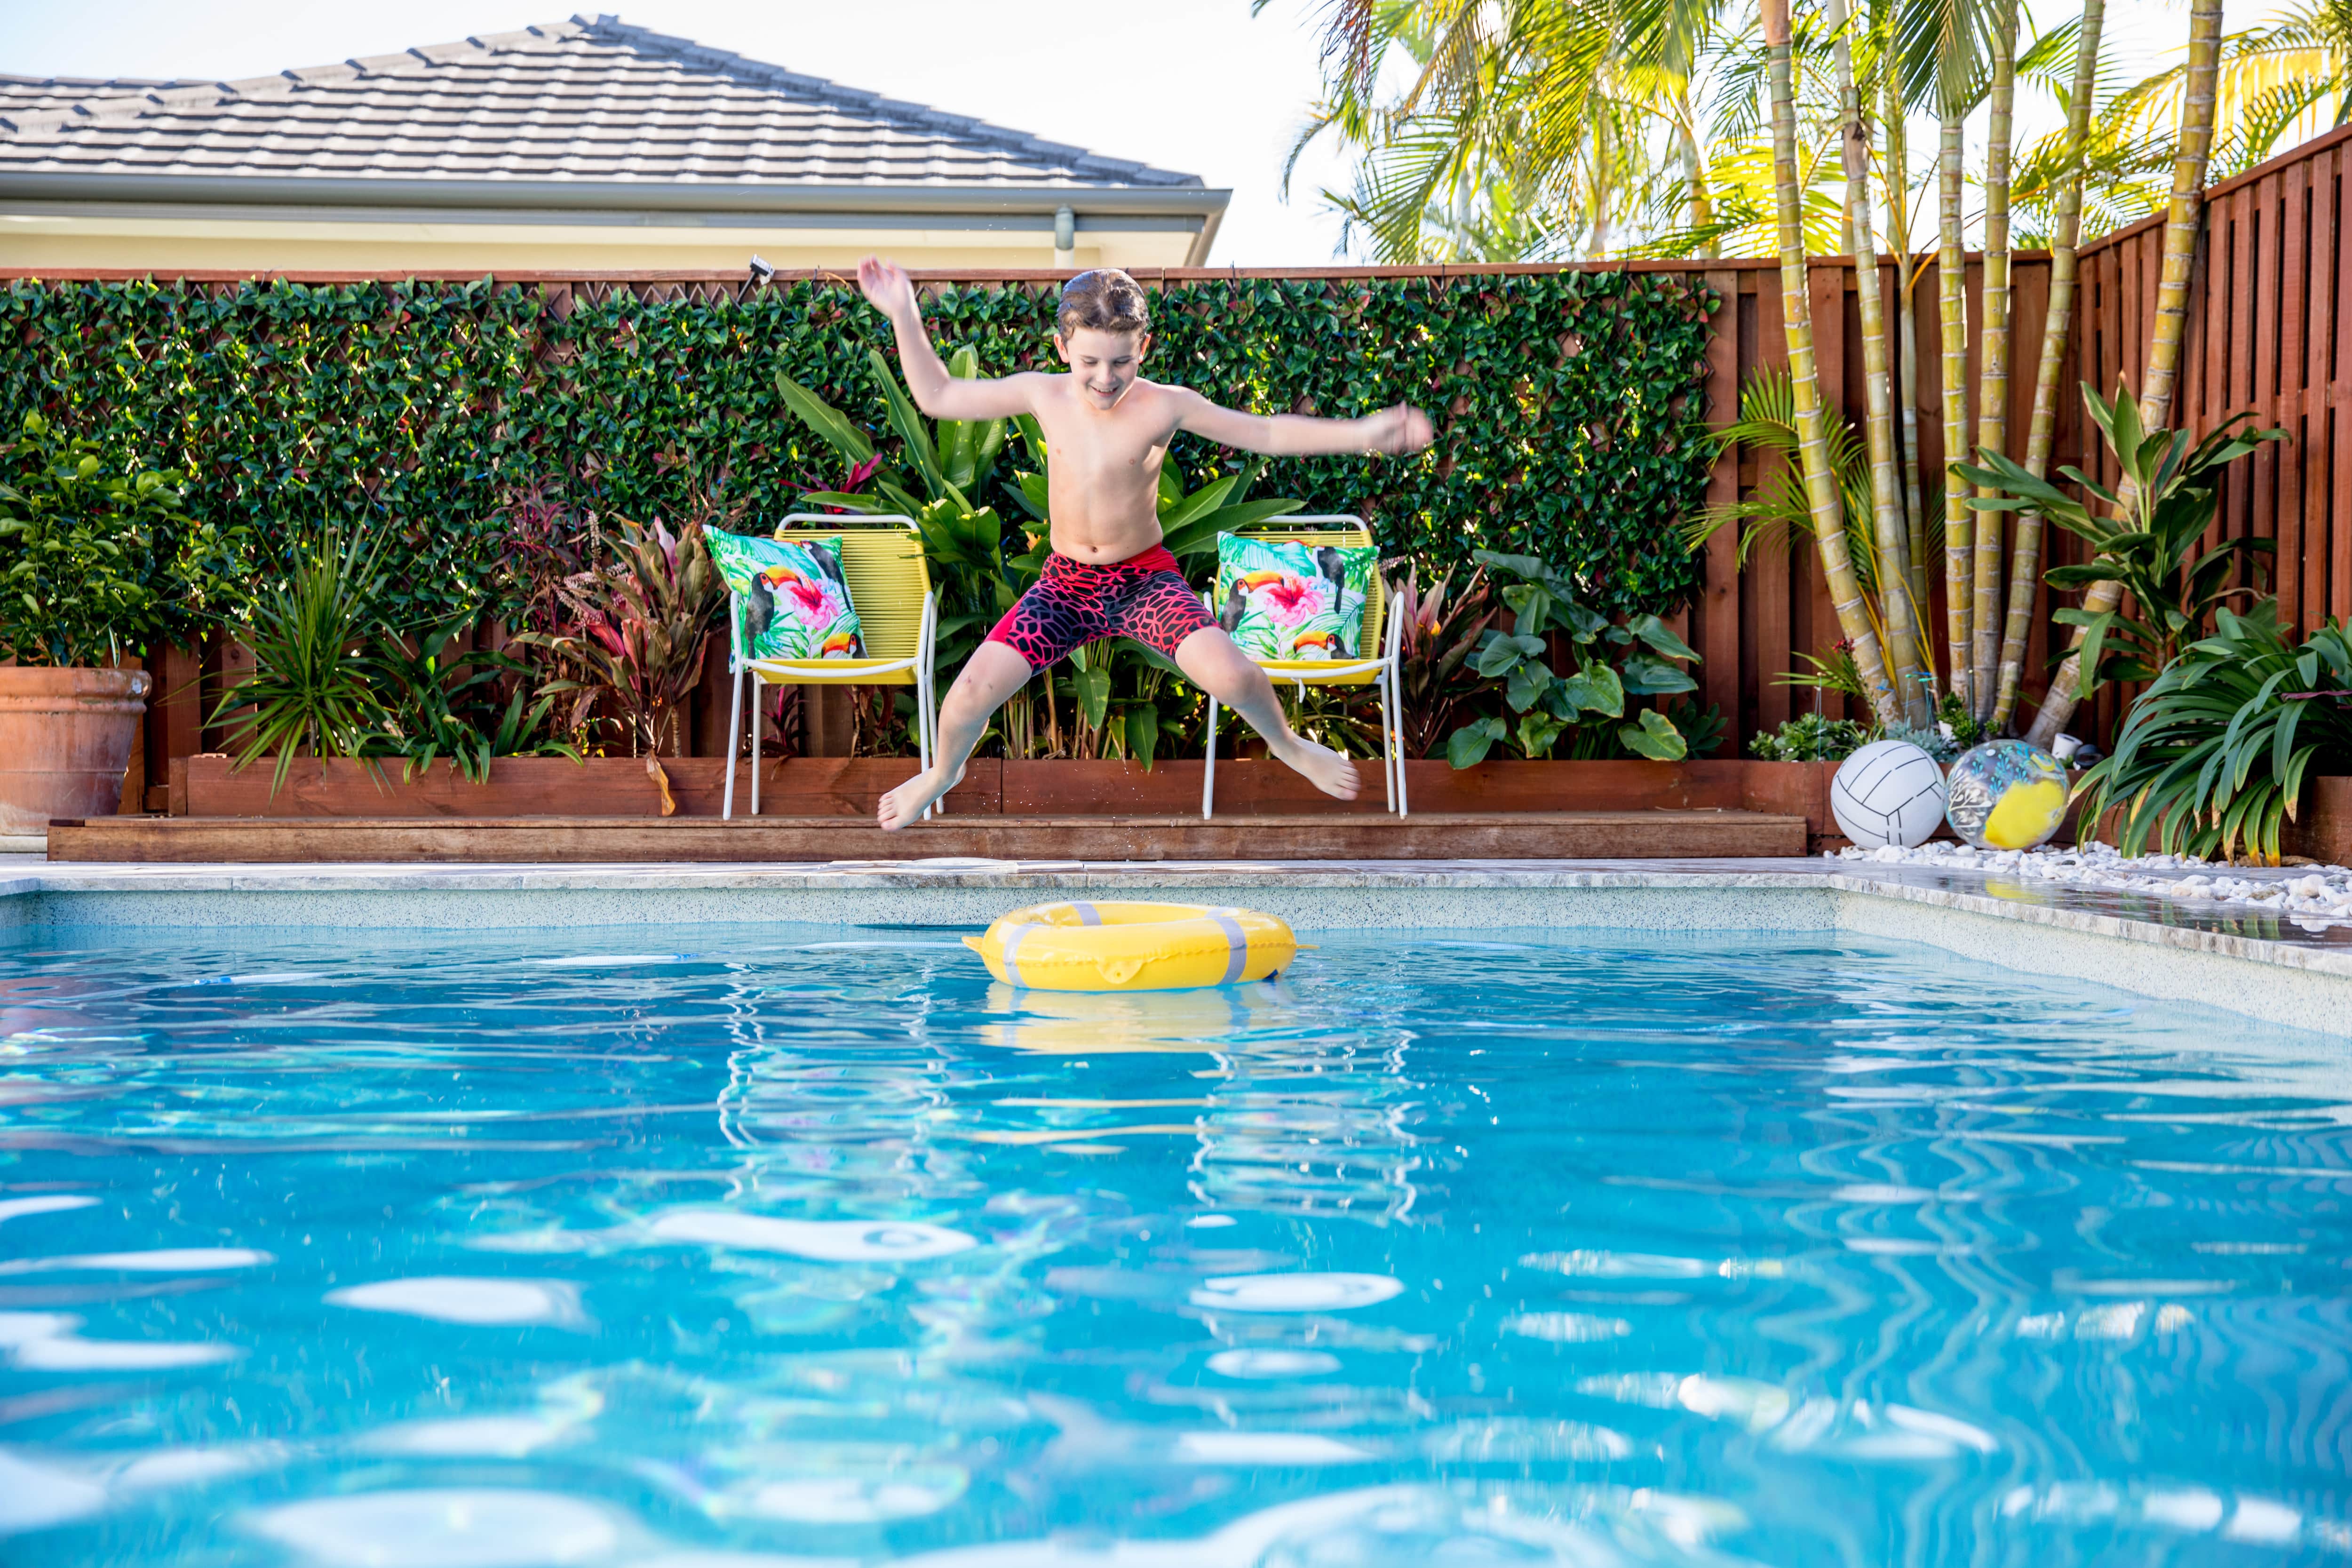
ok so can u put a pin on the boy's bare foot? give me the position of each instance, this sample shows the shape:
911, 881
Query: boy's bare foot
1321, 766
905, 804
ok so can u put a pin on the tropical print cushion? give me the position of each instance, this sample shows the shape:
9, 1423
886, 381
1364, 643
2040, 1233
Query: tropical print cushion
1283, 600
794, 600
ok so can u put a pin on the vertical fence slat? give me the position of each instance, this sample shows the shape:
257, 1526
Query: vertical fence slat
2261, 519
2245, 267
2294, 235
1814, 616
2338, 385
1770, 568
2313, 387
1718, 603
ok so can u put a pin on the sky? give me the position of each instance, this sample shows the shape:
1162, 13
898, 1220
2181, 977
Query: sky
1198, 86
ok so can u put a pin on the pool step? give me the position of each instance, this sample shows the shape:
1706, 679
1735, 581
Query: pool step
579, 841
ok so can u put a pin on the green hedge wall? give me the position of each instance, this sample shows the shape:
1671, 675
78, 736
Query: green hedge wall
1569, 405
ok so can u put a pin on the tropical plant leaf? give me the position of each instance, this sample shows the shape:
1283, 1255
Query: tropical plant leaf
823, 417
1655, 737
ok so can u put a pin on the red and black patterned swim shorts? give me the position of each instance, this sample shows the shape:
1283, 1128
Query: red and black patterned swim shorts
1073, 601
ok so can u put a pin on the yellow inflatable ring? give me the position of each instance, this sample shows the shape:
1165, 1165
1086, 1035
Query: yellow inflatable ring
1133, 947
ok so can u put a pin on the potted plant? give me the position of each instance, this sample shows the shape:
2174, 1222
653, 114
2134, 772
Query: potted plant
86, 563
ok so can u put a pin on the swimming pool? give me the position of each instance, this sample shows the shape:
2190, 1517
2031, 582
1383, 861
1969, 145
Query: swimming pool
800, 1244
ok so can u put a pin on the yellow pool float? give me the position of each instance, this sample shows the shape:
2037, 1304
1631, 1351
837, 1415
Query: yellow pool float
1082, 946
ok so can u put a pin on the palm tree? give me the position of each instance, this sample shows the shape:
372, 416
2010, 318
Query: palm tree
1992, 358
1910, 267
2276, 84
1891, 531
1952, 300
1526, 125
2026, 549
1812, 424
2179, 257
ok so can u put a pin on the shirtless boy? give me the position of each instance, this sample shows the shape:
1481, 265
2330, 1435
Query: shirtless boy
1108, 575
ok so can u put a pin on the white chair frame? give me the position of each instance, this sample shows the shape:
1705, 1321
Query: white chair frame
804, 673
1384, 668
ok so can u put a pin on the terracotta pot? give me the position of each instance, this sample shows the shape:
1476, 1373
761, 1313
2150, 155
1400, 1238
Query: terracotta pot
65, 740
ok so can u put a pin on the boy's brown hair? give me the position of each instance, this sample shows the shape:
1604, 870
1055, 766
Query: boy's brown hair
1104, 298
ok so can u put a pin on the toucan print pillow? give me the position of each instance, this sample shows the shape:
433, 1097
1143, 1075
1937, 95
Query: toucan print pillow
792, 601
1285, 603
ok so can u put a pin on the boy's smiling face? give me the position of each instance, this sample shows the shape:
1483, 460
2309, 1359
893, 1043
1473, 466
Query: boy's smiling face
1106, 363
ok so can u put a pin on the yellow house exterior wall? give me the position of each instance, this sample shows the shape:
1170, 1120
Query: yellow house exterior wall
162, 244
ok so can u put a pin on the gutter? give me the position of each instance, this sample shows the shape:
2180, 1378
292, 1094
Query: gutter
605, 196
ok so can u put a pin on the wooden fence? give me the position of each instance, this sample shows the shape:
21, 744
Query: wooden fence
2270, 329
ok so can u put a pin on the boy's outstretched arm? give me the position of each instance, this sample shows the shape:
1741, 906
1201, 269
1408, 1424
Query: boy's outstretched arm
1403, 429
887, 286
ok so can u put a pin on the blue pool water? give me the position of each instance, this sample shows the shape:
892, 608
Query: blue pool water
802, 1245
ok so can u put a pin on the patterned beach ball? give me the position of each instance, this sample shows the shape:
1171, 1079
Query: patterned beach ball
1890, 792
2007, 794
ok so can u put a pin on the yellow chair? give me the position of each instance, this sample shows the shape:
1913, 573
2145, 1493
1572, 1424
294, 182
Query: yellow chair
1381, 630
897, 616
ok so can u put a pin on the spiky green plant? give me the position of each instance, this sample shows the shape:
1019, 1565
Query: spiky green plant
2214, 754
310, 692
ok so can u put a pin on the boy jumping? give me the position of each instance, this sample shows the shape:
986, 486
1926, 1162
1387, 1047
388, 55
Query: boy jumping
1108, 575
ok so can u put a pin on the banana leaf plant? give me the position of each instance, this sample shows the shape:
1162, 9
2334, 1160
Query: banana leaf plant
2214, 753
2170, 492
1579, 706
940, 467
1129, 700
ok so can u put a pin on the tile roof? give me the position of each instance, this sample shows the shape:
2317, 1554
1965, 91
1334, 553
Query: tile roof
591, 100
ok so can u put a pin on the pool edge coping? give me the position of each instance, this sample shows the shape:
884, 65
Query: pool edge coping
2311, 986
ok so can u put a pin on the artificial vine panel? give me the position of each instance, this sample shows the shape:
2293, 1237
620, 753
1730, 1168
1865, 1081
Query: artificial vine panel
1569, 405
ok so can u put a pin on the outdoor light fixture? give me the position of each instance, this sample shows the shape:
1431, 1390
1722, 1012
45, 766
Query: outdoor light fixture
761, 271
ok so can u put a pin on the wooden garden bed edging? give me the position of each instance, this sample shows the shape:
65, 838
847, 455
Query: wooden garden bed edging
1353, 836
206, 785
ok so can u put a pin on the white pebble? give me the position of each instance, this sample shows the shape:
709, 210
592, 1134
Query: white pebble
2316, 899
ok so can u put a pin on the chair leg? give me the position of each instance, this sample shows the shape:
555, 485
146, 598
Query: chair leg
755, 742
1209, 769
734, 740
930, 746
1389, 783
1393, 687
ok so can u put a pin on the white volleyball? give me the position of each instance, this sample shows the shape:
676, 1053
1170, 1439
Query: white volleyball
1890, 792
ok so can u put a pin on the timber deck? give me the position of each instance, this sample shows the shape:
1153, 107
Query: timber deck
545, 840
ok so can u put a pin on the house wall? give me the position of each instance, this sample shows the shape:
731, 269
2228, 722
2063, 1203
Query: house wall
164, 243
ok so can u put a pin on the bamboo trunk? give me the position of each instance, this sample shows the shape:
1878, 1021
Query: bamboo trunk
2180, 224
1993, 359
1906, 348
2025, 551
1812, 433
1897, 610
1952, 298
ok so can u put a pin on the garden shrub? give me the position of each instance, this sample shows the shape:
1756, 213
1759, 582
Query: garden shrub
1570, 407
